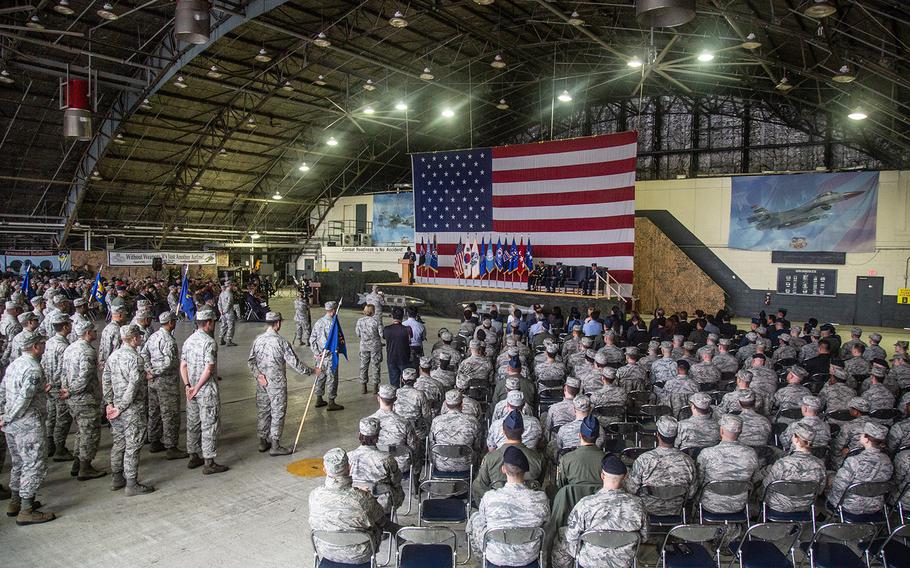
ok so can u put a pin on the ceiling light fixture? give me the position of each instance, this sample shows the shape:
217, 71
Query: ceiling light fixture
398, 21
254, 236
858, 114
197, 184
820, 9
368, 110
250, 122
400, 105
705, 56
564, 96
497, 62
214, 73
96, 176
369, 86
63, 7
320, 80
263, 56
845, 74
145, 104
322, 40
277, 196
331, 141
304, 168
222, 152
575, 20
118, 139
34, 22
751, 42
502, 104
288, 86
426, 75
483, 2
107, 12
635, 62
448, 113
6, 78
784, 85
180, 82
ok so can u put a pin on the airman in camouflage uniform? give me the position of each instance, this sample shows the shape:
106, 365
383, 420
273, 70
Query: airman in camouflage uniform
709, 347
512, 506
785, 351
564, 410
269, 357
22, 409
376, 299
791, 396
9, 322
756, 429
730, 401
810, 350
676, 392
744, 354
725, 362
434, 390
27, 323
476, 365
900, 371
572, 344
662, 467
870, 465
664, 369
395, 430
846, 350
413, 404
125, 392
302, 318
850, 434
162, 364
701, 430
550, 370
228, 311
632, 376
836, 394
609, 394
79, 387
328, 378
455, 428
589, 373
143, 319
800, 465
532, 434
110, 335
447, 347
899, 434
764, 379
821, 432
878, 395
612, 353
857, 365
198, 370
727, 461
469, 406
579, 357
705, 372
873, 351
80, 314
611, 508
677, 350
370, 334
567, 435
443, 374
652, 356
338, 506
374, 470
58, 419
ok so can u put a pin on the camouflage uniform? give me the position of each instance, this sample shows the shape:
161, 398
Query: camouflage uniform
12, 331
836, 396
476, 367
725, 362
901, 478
570, 347
784, 352
372, 468
764, 381
370, 335
662, 467
339, 506
125, 388
270, 355
808, 351
318, 338
874, 352
58, 419
699, 431
395, 430
550, 371
80, 378
560, 413
531, 436
414, 405
663, 370
432, 389
455, 428
228, 316
899, 435
816, 424
858, 366
798, 466
608, 509
756, 428
878, 395
159, 354
608, 395
203, 412
705, 373
109, 342
489, 475
302, 320
676, 392
22, 407
612, 353
849, 434
790, 396
869, 465
632, 377
512, 506
727, 461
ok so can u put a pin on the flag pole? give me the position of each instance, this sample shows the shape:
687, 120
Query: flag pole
306, 410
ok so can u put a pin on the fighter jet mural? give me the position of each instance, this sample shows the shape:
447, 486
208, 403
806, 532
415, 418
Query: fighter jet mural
823, 212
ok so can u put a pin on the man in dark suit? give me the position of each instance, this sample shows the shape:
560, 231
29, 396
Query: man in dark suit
557, 278
588, 283
409, 255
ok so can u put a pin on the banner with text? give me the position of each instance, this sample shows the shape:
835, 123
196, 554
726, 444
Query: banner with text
44, 260
144, 257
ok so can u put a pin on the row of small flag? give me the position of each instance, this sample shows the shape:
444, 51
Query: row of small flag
473, 260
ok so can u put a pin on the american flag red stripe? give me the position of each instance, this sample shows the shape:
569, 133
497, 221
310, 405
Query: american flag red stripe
574, 200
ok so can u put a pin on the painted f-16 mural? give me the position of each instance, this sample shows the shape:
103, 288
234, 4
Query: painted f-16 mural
808, 212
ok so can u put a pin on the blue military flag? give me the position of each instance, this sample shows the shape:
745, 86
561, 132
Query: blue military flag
482, 269
334, 343
498, 260
186, 298
97, 292
434, 256
513, 257
529, 257
27, 281
491, 263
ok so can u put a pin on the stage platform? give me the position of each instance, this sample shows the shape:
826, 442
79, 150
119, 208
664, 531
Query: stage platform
445, 300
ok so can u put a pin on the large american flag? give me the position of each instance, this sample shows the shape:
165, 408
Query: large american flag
574, 200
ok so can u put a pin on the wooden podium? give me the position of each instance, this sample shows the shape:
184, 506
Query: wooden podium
406, 267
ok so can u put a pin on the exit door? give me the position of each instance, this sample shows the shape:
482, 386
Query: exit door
869, 291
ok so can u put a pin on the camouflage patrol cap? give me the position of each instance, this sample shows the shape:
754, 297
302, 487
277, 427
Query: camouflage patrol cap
552, 348
369, 426
142, 303
724, 341
31, 339
815, 333
127, 331
335, 463
902, 344
587, 342
82, 327
573, 382
10, 305
876, 337
784, 338
444, 356
409, 375
515, 458
446, 336
582, 403
666, 345
713, 337
79, 302
511, 341
515, 398
590, 355
475, 344
859, 403
514, 420
751, 337
746, 395
329, 306
798, 371
609, 333
387, 392
608, 373
575, 328
37, 300
145, 314
875, 430
426, 362
653, 345
679, 338
512, 351
731, 423
453, 397
856, 331
899, 357
512, 383
272, 317
667, 426
600, 358
60, 318
206, 314
462, 381
839, 373
701, 400
589, 426
804, 432
118, 309
764, 343
879, 372
167, 317
57, 298
811, 402
632, 351
26, 317
688, 345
